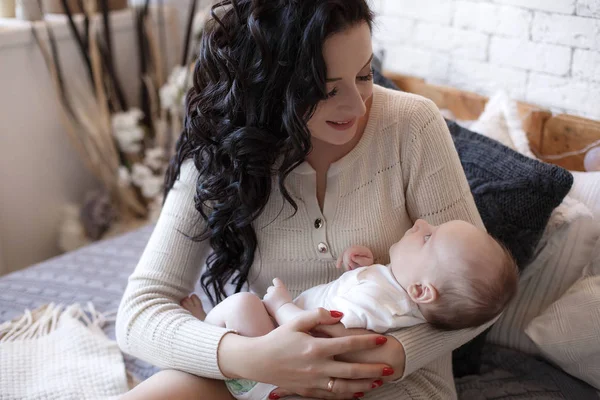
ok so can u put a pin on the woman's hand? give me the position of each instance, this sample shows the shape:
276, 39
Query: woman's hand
290, 358
391, 353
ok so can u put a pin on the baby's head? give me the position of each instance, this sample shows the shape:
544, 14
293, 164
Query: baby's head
458, 274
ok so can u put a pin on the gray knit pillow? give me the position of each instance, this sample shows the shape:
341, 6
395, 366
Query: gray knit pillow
515, 195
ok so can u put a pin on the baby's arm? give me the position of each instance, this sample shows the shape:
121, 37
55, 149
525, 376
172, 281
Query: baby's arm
354, 257
279, 304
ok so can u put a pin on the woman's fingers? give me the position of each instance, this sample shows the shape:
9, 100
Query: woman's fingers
349, 344
354, 386
280, 393
355, 371
337, 330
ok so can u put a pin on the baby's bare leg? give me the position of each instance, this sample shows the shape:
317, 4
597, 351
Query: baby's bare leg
177, 385
243, 312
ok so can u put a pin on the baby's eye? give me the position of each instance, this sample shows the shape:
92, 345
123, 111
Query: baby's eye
426, 237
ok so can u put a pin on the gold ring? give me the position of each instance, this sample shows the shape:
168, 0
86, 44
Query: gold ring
330, 384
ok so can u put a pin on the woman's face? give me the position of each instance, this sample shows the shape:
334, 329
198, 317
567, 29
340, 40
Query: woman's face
348, 56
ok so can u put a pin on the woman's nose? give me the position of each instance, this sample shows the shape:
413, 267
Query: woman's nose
355, 104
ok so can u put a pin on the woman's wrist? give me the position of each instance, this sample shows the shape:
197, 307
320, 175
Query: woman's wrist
397, 357
234, 354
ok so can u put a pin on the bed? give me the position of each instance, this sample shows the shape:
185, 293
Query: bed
98, 273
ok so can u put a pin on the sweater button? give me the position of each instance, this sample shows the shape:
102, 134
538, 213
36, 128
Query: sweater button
322, 247
318, 223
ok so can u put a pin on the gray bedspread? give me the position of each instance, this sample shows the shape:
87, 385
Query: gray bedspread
98, 273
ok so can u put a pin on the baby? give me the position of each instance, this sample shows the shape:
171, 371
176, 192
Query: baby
453, 276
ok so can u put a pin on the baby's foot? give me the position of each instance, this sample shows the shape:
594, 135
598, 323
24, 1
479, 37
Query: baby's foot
277, 295
194, 305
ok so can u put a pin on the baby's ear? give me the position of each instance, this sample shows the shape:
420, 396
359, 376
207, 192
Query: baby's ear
422, 294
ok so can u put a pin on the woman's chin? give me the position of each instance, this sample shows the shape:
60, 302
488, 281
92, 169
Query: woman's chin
338, 138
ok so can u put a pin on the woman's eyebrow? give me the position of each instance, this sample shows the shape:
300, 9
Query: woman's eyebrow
339, 79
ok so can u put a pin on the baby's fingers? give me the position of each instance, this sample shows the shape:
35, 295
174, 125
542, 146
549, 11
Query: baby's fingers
362, 261
278, 282
339, 262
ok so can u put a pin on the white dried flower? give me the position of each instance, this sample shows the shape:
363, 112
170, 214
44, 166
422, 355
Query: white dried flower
155, 158
71, 233
152, 187
124, 179
127, 119
139, 174
127, 130
172, 94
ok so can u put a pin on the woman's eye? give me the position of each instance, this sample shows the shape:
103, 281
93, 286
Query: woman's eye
366, 78
332, 93
426, 237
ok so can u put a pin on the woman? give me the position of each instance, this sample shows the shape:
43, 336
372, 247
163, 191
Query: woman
289, 155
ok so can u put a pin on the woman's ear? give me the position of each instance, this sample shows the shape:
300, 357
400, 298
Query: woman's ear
422, 294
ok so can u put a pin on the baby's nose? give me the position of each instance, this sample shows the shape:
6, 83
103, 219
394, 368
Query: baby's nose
420, 224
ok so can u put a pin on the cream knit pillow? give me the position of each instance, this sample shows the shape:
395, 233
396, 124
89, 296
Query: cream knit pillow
559, 262
568, 332
561, 255
586, 188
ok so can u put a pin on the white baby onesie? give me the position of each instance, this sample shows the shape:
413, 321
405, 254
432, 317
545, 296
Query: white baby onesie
369, 297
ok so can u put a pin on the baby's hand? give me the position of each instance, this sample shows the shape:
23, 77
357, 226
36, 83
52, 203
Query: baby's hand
277, 295
354, 257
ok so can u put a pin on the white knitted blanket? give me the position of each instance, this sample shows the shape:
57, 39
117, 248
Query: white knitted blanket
57, 352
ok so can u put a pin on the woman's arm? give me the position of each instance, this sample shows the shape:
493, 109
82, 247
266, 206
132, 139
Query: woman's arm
151, 324
436, 190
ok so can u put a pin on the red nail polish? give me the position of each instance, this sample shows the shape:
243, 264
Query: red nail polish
381, 340
388, 371
274, 396
336, 314
377, 384
359, 394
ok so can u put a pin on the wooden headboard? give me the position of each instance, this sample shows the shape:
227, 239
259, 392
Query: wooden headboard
548, 134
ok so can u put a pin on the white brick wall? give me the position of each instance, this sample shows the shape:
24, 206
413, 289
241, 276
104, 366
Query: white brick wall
542, 51
588, 8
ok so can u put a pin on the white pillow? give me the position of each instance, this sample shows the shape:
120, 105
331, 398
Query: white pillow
586, 188
568, 331
500, 121
559, 262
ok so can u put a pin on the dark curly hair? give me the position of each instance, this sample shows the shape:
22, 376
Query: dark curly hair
257, 81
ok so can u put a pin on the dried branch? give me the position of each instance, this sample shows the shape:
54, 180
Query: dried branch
188, 32
78, 39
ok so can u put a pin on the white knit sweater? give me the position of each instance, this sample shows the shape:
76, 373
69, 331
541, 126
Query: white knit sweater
404, 167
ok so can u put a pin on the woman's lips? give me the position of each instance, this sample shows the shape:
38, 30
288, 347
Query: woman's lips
342, 125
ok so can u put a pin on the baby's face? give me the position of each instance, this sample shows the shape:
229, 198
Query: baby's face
428, 253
